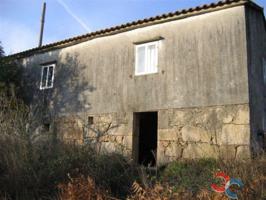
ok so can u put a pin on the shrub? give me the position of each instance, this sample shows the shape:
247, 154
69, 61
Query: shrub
190, 175
35, 174
191, 179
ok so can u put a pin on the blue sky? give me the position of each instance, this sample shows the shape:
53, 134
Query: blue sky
20, 19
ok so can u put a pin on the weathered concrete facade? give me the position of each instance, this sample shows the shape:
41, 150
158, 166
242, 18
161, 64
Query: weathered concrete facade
208, 91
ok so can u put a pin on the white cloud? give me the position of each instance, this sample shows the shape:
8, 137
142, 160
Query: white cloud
16, 37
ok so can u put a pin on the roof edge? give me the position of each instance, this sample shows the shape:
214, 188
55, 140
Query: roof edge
185, 13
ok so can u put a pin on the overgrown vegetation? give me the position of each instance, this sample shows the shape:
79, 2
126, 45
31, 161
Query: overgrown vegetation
33, 165
34, 172
190, 175
182, 181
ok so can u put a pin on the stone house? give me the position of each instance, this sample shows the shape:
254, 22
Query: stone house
187, 84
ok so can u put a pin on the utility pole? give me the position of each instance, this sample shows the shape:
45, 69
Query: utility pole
42, 24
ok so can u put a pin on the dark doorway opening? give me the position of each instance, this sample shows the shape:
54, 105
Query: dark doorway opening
145, 137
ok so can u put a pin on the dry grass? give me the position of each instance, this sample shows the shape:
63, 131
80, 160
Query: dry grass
192, 180
252, 173
81, 188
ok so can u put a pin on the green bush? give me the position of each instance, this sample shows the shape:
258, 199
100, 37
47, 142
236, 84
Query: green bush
190, 175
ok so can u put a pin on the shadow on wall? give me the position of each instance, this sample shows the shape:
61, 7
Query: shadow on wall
71, 90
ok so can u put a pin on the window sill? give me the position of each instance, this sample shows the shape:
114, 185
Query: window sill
45, 88
143, 74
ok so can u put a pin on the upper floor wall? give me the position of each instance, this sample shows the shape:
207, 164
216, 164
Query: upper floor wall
202, 61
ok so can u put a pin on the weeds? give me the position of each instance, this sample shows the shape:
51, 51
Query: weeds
31, 168
83, 189
190, 175
191, 179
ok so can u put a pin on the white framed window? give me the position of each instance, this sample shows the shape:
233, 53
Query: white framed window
146, 58
47, 78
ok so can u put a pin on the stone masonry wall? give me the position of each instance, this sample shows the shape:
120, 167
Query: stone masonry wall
111, 133
70, 129
107, 132
219, 131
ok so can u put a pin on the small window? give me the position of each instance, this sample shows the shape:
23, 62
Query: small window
146, 59
46, 127
47, 79
90, 120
